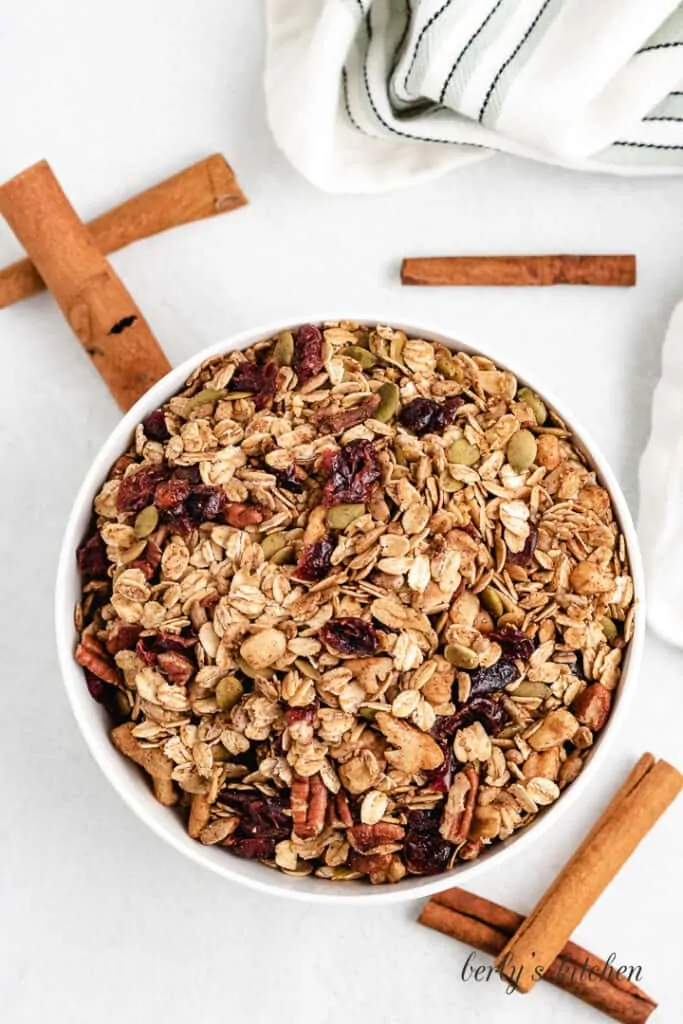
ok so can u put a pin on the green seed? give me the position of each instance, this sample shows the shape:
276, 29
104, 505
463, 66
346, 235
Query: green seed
389, 402
462, 453
609, 629
146, 522
449, 367
283, 556
509, 731
361, 355
401, 460
491, 600
461, 657
535, 403
228, 692
206, 397
528, 689
283, 353
306, 668
340, 516
449, 484
252, 673
219, 752
272, 543
521, 450
133, 552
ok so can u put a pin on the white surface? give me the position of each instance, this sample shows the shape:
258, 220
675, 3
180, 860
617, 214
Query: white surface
126, 777
100, 921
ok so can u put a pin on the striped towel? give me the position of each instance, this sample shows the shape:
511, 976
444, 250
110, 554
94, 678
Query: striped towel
366, 95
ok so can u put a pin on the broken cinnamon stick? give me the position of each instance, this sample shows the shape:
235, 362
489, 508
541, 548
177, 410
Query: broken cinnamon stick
487, 926
504, 271
650, 789
92, 297
203, 190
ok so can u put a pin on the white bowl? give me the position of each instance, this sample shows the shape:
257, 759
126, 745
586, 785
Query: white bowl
127, 779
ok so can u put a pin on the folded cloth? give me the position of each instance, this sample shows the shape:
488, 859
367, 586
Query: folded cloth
660, 518
367, 95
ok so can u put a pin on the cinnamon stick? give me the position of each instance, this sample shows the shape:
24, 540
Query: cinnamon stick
504, 271
487, 926
203, 190
640, 802
92, 297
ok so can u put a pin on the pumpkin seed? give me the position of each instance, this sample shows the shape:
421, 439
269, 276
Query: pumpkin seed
206, 397
449, 367
462, 453
401, 460
528, 689
133, 552
361, 355
521, 450
228, 692
283, 556
283, 353
509, 731
250, 672
389, 402
220, 753
272, 543
146, 521
340, 516
609, 629
491, 600
461, 657
535, 403
449, 484
306, 668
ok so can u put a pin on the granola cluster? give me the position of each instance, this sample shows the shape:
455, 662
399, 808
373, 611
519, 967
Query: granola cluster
355, 602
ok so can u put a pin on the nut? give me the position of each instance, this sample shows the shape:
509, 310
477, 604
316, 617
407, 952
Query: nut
416, 750
458, 810
555, 729
592, 707
263, 649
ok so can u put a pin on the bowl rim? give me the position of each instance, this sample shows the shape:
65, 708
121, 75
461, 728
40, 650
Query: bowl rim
268, 880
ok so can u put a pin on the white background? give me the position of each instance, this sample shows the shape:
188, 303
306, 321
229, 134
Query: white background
100, 922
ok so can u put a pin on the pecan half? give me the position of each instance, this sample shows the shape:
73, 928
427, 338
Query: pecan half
309, 805
379, 867
379, 838
176, 667
592, 706
459, 807
91, 654
240, 515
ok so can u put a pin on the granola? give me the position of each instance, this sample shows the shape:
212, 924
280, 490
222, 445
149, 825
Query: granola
356, 603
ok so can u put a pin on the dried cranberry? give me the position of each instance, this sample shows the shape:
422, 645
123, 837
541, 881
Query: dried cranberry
288, 481
137, 489
496, 677
426, 852
92, 557
440, 778
171, 493
425, 416
305, 714
260, 816
203, 502
258, 380
155, 426
96, 687
308, 352
514, 642
189, 473
350, 635
487, 710
524, 557
315, 561
256, 848
351, 472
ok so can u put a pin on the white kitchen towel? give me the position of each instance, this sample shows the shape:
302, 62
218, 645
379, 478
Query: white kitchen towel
367, 95
660, 517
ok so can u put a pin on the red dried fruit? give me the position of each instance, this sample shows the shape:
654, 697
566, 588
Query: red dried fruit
525, 556
308, 358
204, 502
425, 416
514, 642
152, 644
440, 779
150, 563
137, 489
122, 638
176, 667
239, 515
258, 380
350, 635
171, 493
487, 710
425, 851
496, 677
252, 848
351, 473
305, 714
288, 480
263, 823
92, 557
97, 689
155, 426
315, 561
